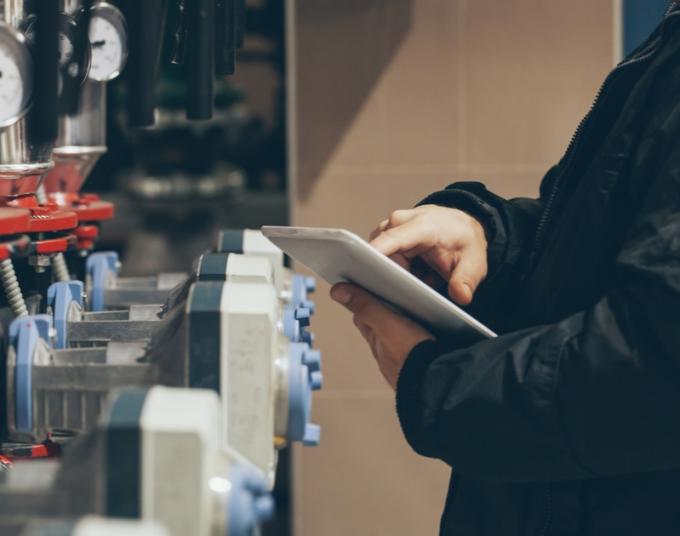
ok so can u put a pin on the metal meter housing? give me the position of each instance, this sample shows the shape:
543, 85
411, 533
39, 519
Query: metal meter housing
108, 42
16, 73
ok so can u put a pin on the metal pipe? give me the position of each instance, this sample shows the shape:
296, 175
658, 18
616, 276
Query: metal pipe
42, 119
240, 22
200, 60
225, 37
146, 24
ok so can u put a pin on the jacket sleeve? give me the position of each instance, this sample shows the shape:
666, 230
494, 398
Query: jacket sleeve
510, 227
596, 394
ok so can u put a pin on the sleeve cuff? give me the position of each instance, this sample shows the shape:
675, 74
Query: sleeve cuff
409, 394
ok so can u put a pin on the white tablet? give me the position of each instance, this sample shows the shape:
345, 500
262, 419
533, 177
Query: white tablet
338, 255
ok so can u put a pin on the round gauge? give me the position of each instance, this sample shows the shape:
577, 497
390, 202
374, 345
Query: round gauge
108, 40
16, 68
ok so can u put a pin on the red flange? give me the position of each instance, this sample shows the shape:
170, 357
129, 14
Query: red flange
48, 449
45, 218
86, 235
88, 207
14, 220
49, 246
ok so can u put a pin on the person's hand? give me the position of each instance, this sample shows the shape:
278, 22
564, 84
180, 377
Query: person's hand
390, 335
449, 241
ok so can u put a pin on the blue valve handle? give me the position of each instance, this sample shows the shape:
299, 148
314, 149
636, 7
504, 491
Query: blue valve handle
301, 382
250, 502
24, 334
61, 297
101, 268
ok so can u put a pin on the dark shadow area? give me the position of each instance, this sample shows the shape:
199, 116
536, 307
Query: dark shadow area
342, 49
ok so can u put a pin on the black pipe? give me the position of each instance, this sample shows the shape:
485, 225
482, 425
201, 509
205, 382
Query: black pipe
146, 26
200, 59
73, 74
42, 120
225, 37
181, 34
240, 22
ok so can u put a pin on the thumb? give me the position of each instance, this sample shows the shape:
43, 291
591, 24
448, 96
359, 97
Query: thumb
466, 277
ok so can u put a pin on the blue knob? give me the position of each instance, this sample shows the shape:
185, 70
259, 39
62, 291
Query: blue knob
310, 285
309, 304
303, 315
306, 336
312, 435
316, 380
264, 507
312, 358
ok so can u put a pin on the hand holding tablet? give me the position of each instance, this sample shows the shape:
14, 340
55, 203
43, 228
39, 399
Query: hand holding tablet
338, 255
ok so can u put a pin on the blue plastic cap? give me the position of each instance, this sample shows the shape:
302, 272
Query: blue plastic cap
24, 333
312, 435
291, 327
265, 507
307, 337
61, 297
302, 380
310, 285
100, 267
303, 315
316, 380
312, 358
309, 304
299, 394
250, 503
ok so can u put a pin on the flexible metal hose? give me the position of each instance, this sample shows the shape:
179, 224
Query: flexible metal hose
59, 268
10, 284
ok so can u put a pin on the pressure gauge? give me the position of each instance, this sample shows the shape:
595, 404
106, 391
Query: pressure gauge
16, 70
108, 40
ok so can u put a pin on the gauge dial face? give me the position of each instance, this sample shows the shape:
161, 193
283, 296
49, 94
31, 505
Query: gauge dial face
15, 73
108, 41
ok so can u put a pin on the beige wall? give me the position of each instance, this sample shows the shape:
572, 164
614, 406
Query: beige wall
390, 100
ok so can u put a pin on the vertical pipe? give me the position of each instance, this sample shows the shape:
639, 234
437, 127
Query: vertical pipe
240, 22
225, 37
42, 121
72, 74
200, 64
146, 25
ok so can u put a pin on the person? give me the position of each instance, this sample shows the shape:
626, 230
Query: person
567, 423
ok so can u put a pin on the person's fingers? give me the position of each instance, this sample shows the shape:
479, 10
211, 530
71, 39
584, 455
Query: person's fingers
469, 272
379, 229
363, 304
365, 330
400, 217
402, 261
397, 218
354, 298
412, 235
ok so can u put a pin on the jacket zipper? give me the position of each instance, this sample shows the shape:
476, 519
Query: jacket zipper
549, 511
576, 138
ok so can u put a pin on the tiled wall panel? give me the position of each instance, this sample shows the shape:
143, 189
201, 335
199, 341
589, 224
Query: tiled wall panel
392, 99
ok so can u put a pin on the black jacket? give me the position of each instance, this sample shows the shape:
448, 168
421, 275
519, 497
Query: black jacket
569, 422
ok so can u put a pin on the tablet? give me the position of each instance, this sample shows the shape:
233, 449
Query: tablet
338, 255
